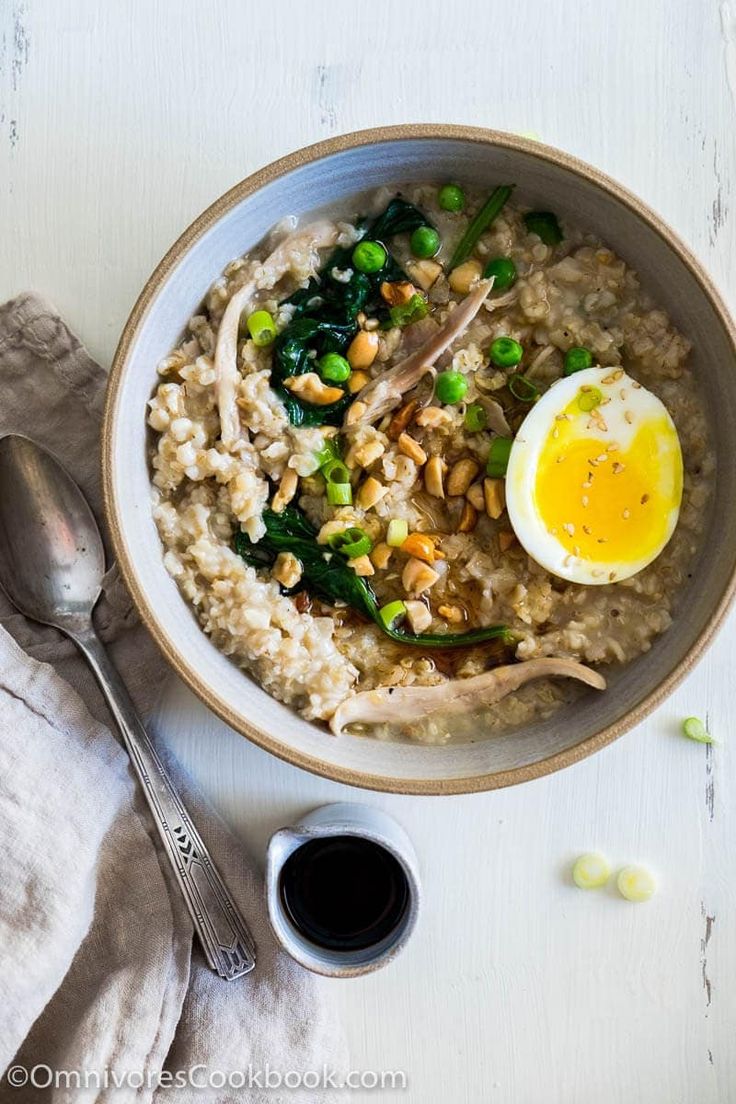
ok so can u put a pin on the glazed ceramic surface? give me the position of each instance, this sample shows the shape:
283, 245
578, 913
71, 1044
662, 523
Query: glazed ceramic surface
326, 174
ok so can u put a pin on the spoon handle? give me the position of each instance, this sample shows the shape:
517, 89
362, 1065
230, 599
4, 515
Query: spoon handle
225, 939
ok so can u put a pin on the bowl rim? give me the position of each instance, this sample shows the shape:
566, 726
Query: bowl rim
176, 657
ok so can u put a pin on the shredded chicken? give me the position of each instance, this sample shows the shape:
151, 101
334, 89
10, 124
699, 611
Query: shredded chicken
401, 705
391, 386
316, 236
542, 356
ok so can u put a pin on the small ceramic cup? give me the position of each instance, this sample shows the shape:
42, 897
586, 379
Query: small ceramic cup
341, 819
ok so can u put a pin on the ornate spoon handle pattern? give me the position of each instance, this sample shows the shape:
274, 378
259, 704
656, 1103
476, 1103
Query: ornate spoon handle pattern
225, 939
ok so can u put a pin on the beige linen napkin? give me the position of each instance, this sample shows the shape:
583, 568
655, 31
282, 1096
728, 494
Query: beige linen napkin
98, 971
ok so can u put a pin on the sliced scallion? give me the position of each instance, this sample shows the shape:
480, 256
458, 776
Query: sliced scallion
635, 883
523, 389
339, 494
589, 398
261, 328
498, 457
330, 451
337, 479
351, 543
475, 418
397, 532
335, 471
391, 612
694, 729
590, 871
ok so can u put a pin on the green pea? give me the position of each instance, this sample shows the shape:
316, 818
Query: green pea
503, 271
425, 242
451, 387
451, 197
369, 256
333, 367
505, 352
577, 359
261, 328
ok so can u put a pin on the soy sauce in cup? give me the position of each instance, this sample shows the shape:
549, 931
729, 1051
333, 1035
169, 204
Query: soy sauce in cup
343, 889
344, 893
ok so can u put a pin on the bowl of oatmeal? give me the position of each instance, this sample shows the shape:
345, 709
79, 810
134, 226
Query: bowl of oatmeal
412, 460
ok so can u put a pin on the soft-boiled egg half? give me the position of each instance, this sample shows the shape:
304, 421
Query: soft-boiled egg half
594, 479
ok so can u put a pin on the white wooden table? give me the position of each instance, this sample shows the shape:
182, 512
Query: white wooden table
119, 122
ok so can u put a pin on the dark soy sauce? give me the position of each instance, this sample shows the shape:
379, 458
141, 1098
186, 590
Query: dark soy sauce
343, 893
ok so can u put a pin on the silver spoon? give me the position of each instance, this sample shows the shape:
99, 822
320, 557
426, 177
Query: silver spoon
51, 566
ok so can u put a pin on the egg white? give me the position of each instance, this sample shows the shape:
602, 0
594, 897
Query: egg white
619, 427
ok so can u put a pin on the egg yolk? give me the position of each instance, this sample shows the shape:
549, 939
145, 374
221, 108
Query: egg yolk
607, 505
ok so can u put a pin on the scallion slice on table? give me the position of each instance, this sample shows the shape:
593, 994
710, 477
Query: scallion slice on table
590, 871
339, 494
488, 212
694, 729
635, 883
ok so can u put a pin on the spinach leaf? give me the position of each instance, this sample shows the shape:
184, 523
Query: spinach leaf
327, 575
400, 217
332, 300
292, 358
545, 225
326, 312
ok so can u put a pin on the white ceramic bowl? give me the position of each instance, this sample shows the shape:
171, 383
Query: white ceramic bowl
322, 175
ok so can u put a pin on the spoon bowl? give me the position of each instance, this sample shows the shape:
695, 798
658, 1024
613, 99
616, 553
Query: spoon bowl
51, 555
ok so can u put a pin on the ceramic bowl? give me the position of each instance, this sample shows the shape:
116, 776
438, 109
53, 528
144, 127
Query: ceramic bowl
325, 174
